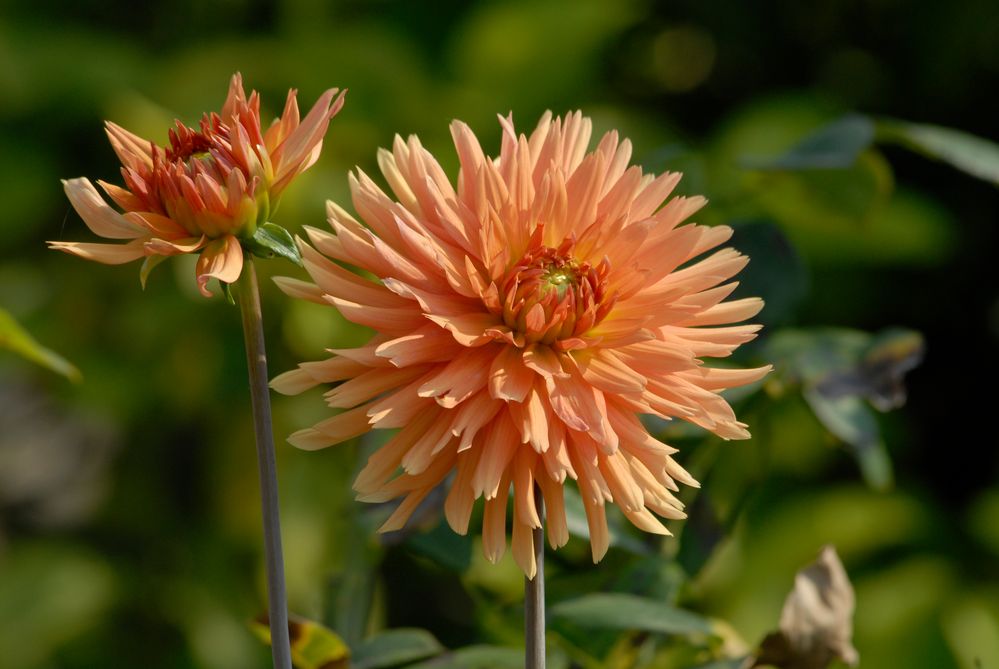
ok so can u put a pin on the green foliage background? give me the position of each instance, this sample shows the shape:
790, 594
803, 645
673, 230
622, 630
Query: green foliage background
129, 520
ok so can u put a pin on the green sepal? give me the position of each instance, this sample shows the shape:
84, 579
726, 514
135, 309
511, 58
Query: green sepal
227, 291
272, 240
15, 338
147, 266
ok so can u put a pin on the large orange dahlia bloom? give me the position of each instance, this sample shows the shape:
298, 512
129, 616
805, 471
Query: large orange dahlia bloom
206, 192
525, 319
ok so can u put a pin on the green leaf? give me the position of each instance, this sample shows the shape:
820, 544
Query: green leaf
834, 146
973, 155
15, 338
147, 266
444, 546
728, 663
395, 647
271, 239
477, 657
351, 590
775, 272
50, 594
629, 612
838, 369
850, 419
313, 646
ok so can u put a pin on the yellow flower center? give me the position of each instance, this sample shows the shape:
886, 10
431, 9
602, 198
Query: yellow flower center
550, 295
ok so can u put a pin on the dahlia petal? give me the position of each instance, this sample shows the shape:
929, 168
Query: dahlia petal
161, 226
306, 136
303, 290
109, 254
421, 455
558, 529
293, 382
398, 408
468, 329
459, 379
384, 462
133, 151
345, 425
531, 419
96, 213
176, 247
544, 361
525, 510
556, 456
522, 543
122, 197
606, 371
596, 521
396, 181
716, 378
310, 439
364, 387
337, 281
474, 414
222, 259
712, 342
581, 407
390, 320
727, 312
461, 497
499, 443
626, 492
428, 344
509, 378
494, 522
432, 303
398, 519
654, 194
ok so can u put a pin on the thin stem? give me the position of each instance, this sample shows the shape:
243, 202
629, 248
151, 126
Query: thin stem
256, 360
534, 595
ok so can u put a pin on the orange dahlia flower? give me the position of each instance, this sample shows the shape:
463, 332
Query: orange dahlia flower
525, 319
206, 192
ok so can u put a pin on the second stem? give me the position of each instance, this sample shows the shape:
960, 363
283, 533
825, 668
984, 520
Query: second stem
260, 399
534, 595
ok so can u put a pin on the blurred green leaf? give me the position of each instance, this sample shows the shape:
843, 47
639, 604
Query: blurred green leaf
838, 370
728, 663
973, 155
477, 657
775, 271
352, 589
834, 146
313, 646
15, 338
49, 594
271, 239
394, 647
629, 612
444, 546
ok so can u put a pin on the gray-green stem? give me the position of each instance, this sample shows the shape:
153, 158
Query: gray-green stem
534, 596
256, 360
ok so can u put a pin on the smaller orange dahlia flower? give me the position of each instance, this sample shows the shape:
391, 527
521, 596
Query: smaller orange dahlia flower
210, 189
525, 318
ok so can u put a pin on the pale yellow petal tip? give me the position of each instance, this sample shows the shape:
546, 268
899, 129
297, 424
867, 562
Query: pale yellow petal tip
309, 439
391, 525
293, 382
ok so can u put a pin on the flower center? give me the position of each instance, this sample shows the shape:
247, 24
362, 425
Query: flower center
186, 143
550, 295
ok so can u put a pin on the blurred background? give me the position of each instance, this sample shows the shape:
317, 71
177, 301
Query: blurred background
129, 512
